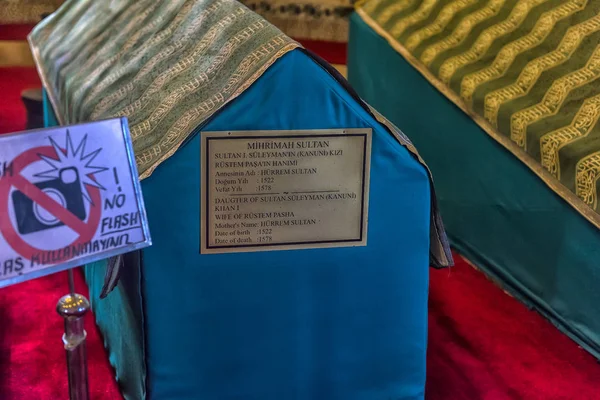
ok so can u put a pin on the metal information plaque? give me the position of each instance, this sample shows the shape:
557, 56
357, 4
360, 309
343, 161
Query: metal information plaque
68, 196
277, 190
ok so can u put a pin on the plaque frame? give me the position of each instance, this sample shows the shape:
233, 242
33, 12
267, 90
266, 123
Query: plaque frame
208, 136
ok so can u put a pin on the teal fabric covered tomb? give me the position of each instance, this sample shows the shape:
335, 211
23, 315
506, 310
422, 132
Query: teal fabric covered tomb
499, 215
338, 323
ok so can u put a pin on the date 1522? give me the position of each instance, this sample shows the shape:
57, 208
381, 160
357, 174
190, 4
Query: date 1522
267, 179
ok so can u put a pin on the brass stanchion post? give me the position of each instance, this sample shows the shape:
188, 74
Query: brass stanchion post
73, 308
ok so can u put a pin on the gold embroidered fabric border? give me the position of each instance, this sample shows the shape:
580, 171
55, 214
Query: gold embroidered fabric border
526, 71
167, 65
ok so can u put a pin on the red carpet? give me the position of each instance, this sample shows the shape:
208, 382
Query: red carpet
334, 53
15, 32
32, 358
12, 81
483, 344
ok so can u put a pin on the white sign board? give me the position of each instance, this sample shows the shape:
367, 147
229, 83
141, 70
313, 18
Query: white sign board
68, 196
277, 190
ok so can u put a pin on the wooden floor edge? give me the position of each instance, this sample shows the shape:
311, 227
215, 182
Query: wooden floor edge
15, 53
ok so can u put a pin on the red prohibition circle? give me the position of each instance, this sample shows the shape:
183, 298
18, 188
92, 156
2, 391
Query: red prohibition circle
85, 230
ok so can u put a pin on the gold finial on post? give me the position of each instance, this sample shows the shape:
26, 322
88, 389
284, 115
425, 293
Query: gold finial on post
73, 308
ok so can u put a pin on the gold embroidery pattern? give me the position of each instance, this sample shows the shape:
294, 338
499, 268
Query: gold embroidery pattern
62, 48
588, 172
419, 15
560, 144
186, 122
532, 71
553, 98
89, 50
76, 14
369, 5
109, 46
437, 26
194, 85
105, 50
551, 143
189, 119
79, 29
487, 37
392, 10
506, 56
144, 69
226, 42
168, 51
44, 27
462, 31
185, 64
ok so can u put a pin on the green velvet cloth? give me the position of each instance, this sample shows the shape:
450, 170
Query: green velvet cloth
526, 71
497, 212
165, 65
